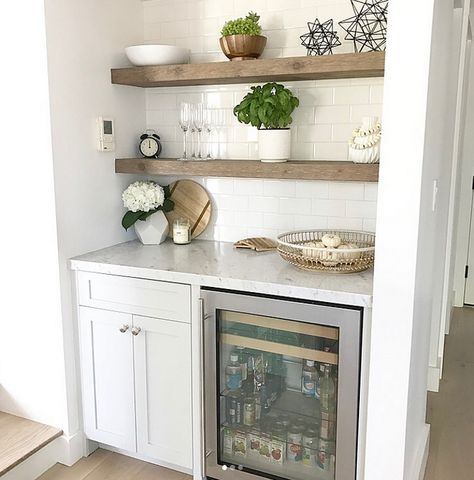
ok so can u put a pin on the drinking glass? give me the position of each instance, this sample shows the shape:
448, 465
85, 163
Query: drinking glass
185, 123
208, 117
198, 124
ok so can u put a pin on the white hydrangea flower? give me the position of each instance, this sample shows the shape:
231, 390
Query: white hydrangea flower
143, 196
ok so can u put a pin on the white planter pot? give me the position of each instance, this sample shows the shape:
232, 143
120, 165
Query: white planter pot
153, 230
274, 145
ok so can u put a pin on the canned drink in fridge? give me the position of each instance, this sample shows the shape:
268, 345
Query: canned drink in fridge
228, 442
249, 411
326, 454
294, 453
265, 447
310, 446
254, 443
240, 443
278, 444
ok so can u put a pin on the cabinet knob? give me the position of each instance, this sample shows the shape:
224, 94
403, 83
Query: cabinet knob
136, 331
124, 328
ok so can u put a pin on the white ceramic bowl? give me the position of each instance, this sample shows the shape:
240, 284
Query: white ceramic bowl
143, 55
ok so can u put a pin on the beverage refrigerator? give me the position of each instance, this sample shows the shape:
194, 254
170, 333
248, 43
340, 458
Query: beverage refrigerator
281, 387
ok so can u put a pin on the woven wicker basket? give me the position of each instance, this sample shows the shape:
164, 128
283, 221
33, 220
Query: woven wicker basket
296, 248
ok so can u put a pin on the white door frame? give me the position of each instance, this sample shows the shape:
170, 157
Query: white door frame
456, 177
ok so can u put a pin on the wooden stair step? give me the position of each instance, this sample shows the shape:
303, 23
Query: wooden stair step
20, 438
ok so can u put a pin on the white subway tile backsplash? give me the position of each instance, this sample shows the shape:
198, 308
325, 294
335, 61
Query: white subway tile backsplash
310, 222
279, 188
369, 225
295, 205
371, 191
328, 208
362, 209
344, 223
352, 95
248, 186
322, 125
333, 114
314, 133
249, 219
346, 190
264, 204
312, 189
278, 221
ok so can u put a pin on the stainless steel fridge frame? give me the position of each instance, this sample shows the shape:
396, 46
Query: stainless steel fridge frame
347, 319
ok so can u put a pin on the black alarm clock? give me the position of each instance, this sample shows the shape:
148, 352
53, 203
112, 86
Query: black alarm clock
150, 145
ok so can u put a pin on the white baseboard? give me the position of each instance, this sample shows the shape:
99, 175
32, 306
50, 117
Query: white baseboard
434, 374
72, 448
421, 458
37, 464
146, 459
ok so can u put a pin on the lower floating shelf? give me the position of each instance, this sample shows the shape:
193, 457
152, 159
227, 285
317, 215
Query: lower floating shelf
292, 170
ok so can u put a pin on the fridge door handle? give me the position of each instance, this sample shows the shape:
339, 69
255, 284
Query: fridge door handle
203, 318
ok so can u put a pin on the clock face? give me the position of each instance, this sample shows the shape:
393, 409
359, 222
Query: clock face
149, 147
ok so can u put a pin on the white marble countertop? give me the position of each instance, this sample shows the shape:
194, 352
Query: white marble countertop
219, 265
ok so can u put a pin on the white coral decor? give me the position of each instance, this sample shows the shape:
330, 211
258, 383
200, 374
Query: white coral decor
143, 197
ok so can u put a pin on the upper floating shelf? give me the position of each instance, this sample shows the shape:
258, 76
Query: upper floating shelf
346, 65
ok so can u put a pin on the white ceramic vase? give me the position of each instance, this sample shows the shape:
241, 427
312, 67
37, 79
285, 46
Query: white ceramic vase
274, 146
365, 154
153, 230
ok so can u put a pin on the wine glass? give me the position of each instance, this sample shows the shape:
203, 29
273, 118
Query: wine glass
198, 123
185, 123
208, 120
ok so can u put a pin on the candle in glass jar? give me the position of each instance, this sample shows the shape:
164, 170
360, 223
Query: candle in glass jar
181, 231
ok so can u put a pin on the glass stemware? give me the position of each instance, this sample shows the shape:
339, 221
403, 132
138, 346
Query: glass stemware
185, 123
198, 124
208, 117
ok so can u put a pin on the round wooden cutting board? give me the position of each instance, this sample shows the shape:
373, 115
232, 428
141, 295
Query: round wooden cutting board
191, 201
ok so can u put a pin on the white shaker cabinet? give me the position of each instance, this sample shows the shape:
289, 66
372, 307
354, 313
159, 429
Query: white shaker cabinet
163, 390
107, 377
136, 369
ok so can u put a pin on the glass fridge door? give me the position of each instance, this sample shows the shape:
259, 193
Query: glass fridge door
281, 388
277, 383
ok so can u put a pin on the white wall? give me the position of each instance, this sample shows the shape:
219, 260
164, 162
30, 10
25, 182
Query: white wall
32, 376
85, 39
328, 112
411, 236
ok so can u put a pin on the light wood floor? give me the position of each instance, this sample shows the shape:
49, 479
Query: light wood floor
21, 438
451, 411
104, 465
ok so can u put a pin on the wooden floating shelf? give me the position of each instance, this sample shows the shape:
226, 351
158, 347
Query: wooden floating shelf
346, 65
279, 348
293, 170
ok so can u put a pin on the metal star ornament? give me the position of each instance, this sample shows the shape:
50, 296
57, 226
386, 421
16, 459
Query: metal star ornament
321, 38
368, 27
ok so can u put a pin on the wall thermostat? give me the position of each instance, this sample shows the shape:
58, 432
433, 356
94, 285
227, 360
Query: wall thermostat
106, 134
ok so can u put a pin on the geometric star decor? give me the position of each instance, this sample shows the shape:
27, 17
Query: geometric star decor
321, 38
368, 27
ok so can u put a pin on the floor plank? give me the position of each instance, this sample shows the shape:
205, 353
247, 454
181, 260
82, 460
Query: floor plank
105, 465
450, 412
20, 438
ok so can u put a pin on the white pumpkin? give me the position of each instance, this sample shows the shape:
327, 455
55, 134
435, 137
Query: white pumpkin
347, 255
310, 251
331, 240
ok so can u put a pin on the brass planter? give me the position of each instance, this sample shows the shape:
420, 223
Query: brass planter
243, 47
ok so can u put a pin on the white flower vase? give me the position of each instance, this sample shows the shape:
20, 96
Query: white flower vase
153, 230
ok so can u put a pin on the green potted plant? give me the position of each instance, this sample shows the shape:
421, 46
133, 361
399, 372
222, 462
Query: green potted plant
241, 38
269, 108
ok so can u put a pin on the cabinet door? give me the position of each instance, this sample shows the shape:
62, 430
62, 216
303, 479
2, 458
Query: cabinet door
107, 377
163, 390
